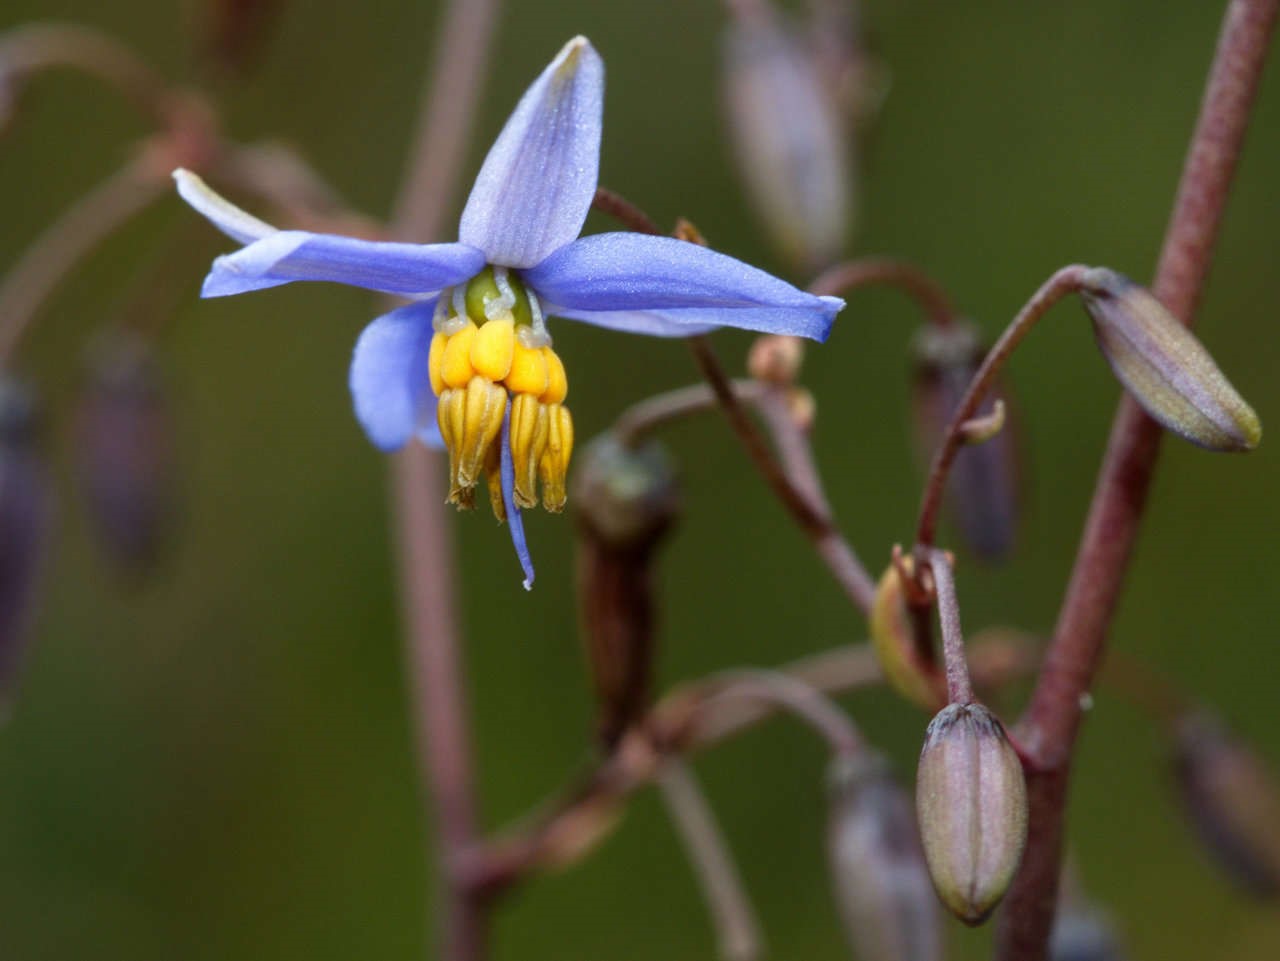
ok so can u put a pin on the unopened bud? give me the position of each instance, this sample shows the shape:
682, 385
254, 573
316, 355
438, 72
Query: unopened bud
776, 359
1233, 801
125, 451
971, 800
982, 492
1083, 933
882, 886
236, 30
893, 637
1163, 366
25, 517
625, 501
789, 137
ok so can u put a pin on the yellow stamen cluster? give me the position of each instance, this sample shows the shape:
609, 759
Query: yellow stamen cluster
490, 347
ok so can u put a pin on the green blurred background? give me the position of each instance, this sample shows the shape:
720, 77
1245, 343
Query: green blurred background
218, 764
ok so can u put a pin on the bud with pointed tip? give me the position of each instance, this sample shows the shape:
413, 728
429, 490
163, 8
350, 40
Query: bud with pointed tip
982, 493
894, 642
790, 138
882, 886
625, 502
125, 451
1233, 801
25, 517
971, 800
1160, 362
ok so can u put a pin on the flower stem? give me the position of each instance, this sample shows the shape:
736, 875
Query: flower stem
40, 46
65, 242
1065, 281
737, 928
875, 271
959, 687
425, 553
1053, 717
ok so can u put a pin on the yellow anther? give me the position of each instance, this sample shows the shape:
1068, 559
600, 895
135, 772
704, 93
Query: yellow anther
554, 465
528, 371
455, 364
450, 413
435, 360
529, 434
492, 348
557, 382
493, 471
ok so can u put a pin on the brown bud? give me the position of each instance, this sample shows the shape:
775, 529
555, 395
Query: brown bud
1163, 366
26, 511
893, 637
1233, 801
236, 30
776, 358
625, 501
125, 451
982, 493
971, 800
790, 139
882, 886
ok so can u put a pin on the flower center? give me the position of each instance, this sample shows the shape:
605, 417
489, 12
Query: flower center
491, 347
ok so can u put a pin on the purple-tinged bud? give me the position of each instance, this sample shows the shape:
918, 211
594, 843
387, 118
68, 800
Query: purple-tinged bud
982, 492
1083, 933
25, 517
625, 501
125, 451
882, 887
893, 638
971, 800
789, 137
1232, 799
1160, 362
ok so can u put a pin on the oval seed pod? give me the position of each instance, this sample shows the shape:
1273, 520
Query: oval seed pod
789, 137
26, 510
125, 451
882, 886
971, 800
1163, 366
983, 490
1232, 800
893, 640
625, 502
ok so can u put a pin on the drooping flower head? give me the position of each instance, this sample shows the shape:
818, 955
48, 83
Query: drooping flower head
468, 365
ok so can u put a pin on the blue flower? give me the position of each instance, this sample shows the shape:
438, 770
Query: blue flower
468, 365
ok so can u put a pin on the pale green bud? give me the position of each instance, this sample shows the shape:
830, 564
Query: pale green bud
1160, 362
971, 800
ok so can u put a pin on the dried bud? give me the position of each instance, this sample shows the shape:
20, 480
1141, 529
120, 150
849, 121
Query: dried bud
882, 885
1233, 801
983, 490
1164, 367
236, 30
972, 803
25, 517
789, 137
776, 358
125, 451
625, 501
893, 638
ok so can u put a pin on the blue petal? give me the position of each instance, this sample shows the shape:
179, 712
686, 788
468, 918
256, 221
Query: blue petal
289, 255
536, 185
514, 521
219, 211
664, 286
389, 381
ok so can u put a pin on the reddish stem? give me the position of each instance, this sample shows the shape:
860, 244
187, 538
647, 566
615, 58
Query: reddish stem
425, 552
907, 277
1053, 718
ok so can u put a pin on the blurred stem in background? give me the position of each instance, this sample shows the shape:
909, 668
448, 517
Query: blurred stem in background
425, 550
